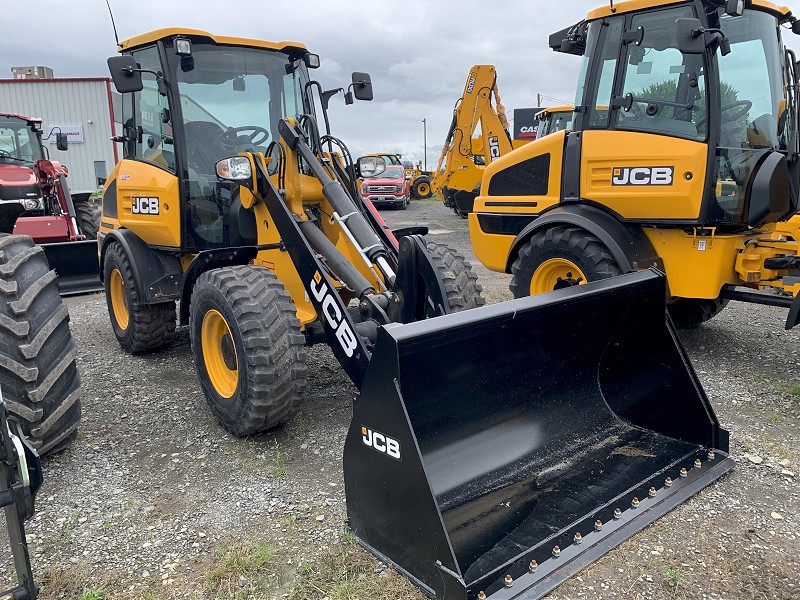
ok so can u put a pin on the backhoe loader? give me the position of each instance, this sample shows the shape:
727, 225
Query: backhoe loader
478, 135
683, 154
482, 440
555, 118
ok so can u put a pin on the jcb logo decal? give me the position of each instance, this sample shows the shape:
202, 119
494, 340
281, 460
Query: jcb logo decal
333, 314
642, 175
144, 205
470, 85
494, 147
381, 443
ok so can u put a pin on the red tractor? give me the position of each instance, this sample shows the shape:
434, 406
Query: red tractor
35, 201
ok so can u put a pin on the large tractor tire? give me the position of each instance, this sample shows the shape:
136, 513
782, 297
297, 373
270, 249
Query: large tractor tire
421, 188
87, 214
38, 374
559, 257
460, 281
139, 328
688, 313
248, 349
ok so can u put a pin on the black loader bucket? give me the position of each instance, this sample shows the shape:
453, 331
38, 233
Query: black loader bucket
502, 449
77, 266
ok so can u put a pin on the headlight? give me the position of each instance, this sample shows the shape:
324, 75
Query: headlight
364, 189
32, 203
401, 187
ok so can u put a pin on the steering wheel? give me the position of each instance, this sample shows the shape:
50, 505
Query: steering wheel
230, 138
746, 105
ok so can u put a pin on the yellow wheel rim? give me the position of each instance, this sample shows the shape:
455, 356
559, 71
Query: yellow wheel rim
554, 273
423, 188
118, 301
219, 353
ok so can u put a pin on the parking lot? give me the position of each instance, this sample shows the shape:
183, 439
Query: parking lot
157, 500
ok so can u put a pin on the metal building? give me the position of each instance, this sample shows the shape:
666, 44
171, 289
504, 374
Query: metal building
85, 108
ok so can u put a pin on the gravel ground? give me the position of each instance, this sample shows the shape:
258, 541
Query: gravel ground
157, 500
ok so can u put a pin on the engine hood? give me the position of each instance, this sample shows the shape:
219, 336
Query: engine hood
383, 181
17, 175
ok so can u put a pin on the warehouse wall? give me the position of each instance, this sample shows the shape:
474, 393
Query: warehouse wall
73, 103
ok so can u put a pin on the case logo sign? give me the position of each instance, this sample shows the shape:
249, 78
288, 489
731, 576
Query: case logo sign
494, 147
333, 315
381, 443
642, 175
144, 205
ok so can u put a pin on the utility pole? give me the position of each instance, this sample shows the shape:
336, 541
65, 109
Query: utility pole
425, 144
538, 100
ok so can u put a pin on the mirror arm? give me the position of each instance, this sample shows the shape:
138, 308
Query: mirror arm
162, 84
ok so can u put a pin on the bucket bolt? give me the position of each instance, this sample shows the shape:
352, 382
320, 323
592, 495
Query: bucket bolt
578, 537
509, 580
598, 525
481, 595
617, 513
533, 566
697, 463
668, 482
556, 551
711, 455
652, 492
684, 473
635, 502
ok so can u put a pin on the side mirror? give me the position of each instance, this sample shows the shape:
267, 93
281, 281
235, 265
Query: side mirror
125, 73
690, 36
362, 86
734, 8
370, 166
61, 141
796, 26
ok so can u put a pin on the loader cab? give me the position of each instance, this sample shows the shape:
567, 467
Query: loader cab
717, 121
202, 99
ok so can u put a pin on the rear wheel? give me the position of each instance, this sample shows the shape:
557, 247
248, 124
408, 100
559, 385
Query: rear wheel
87, 214
248, 349
139, 328
559, 257
688, 313
38, 374
421, 188
460, 281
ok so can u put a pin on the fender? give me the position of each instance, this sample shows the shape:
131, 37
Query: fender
158, 275
628, 244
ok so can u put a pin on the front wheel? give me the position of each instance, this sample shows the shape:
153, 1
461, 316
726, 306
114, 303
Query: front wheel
248, 349
560, 257
688, 313
460, 281
422, 187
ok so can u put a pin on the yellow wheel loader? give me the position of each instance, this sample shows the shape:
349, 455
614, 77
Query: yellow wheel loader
478, 135
683, 154
553, 119
483, 441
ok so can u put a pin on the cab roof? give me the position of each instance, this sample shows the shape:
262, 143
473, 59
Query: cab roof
554, 109
782, 13
150, 37
22, 117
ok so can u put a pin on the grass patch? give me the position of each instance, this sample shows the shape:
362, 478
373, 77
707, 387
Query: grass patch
674, 577
279, 468
774, 418
346, 572
93, 593
790, 387
251, 562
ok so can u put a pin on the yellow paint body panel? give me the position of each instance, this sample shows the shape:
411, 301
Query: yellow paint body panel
139, 179
626, 6
603, 151
151, 37
489, 248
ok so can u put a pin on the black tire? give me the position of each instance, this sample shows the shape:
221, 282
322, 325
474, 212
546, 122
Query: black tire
38, 374
426, 192
574, 244
269, 349
149, 327
688, 313
87, 214
460, 281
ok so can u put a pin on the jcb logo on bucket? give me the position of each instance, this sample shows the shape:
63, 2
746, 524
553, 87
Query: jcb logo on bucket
642, 175
144, 205
333, 314
381, 443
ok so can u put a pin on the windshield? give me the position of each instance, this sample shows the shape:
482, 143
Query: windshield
392, 173
18, 142
232, 99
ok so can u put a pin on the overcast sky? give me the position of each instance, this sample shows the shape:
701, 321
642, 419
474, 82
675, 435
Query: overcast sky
418, 53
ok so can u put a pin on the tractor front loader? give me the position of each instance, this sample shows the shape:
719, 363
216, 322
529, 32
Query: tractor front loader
482, 437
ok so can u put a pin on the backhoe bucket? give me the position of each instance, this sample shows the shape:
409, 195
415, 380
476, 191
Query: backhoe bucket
546, 429
77, 266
